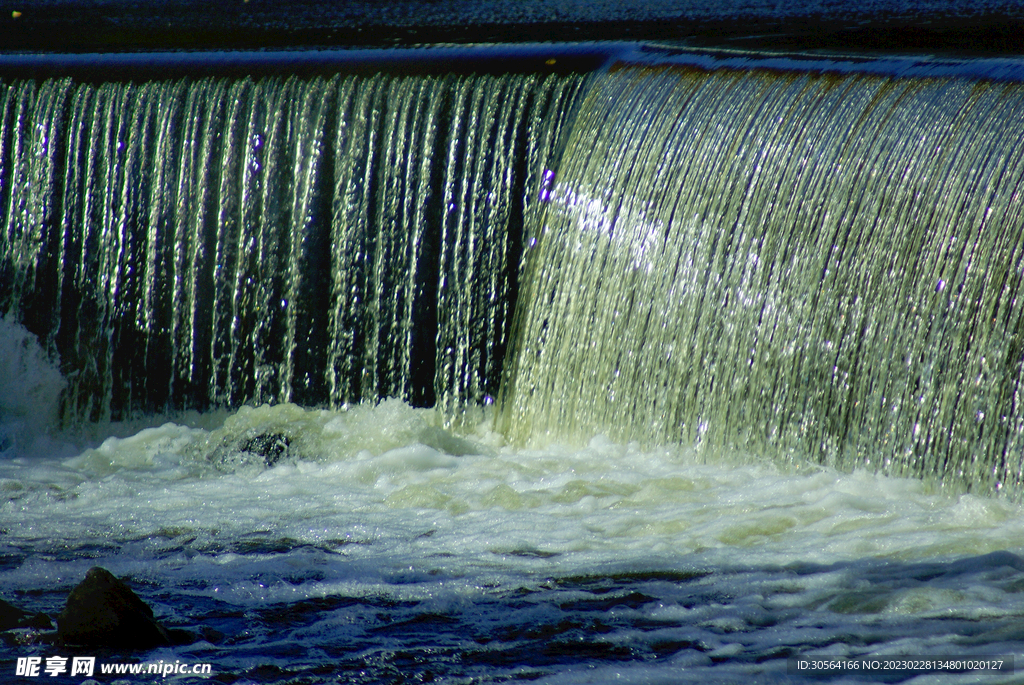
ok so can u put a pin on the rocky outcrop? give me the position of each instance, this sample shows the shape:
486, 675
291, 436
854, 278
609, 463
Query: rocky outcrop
19, 627
102, 611
10, 616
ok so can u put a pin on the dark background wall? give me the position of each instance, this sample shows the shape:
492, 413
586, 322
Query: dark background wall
982, 27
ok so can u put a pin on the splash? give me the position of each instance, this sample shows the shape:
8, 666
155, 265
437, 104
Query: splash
31, 388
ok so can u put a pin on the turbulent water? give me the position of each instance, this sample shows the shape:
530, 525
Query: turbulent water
382, 547
241, 293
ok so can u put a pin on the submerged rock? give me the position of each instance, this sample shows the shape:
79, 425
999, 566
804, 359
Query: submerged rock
19, 627
12, 617
102, 611
234, 449
272, 447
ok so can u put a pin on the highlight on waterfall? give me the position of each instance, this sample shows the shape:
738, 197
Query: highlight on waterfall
689, 351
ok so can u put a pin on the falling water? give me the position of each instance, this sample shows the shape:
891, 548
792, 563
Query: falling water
817, 266
194, 243
814, 266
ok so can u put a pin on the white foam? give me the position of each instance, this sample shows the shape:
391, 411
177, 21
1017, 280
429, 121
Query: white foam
383, 502
30, 391
396, 465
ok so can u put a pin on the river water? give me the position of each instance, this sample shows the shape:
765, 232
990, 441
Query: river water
382, 547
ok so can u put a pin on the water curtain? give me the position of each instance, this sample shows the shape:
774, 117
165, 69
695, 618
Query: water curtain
806, 265
211, 242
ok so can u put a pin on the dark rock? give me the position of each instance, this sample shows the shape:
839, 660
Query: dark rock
38, 621
102, 611
19, 628
272, 447
10, 616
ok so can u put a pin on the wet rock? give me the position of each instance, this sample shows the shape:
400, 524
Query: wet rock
211, 635
272, 447
38, 621
20, 628
12, 617
102, 611
249, 450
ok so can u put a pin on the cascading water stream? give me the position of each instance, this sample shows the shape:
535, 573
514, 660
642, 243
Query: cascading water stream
817, 266
812, 266
213, 242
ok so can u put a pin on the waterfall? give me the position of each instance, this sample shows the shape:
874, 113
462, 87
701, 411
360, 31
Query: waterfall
326, 240
816, 266
811, 266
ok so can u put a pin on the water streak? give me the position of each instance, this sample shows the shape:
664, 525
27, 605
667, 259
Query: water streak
194, 243
812, 266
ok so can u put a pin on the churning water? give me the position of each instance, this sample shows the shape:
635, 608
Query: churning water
739, 295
